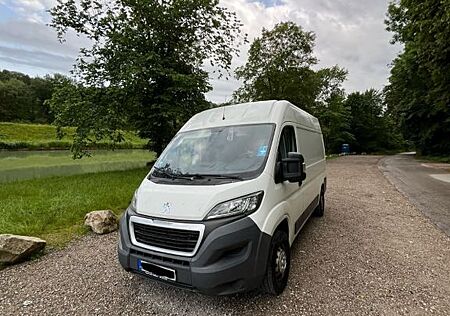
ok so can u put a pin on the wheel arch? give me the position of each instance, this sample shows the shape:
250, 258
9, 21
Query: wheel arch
283, 224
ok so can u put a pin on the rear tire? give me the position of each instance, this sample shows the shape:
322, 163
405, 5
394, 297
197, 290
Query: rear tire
278, 264
320, 209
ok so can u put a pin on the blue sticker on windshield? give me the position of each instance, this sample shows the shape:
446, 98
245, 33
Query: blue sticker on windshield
262, 151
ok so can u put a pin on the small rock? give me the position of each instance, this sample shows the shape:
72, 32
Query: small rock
14, 248
27, 303
101, 222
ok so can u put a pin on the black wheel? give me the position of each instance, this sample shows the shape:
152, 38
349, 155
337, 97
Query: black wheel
320, 209
278, 264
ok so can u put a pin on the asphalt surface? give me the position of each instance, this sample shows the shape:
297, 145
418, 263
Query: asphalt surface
427, 185
373, 253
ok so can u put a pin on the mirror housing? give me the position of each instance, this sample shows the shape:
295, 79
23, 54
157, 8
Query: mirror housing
293, 168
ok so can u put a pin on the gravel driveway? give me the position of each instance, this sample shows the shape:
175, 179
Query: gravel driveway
372, 253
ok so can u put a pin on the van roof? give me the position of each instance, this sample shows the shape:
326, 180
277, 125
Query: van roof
272, 111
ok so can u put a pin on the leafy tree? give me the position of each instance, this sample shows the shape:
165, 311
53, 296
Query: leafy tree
23, 98
71, 101
144, 69
370, 124
15, 101
7, 74
279, 66
42, 91
419, 89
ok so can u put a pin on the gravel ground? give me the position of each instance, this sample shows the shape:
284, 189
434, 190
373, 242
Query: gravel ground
372, 253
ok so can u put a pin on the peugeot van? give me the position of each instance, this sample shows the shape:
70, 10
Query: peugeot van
222, 205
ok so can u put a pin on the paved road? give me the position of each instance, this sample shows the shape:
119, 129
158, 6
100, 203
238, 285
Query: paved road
427, 185
373, 253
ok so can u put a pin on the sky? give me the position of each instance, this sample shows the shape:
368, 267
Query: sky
349, 33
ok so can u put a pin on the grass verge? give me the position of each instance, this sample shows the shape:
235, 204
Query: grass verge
54, 208
440, 159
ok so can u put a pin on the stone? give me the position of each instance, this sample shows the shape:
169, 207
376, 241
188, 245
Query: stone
101, 222
15, 248
27, 303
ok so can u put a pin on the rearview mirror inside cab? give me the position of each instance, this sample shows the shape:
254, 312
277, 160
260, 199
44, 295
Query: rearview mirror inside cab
293, 168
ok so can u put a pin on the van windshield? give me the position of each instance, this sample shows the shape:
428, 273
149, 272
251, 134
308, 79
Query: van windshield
220, 152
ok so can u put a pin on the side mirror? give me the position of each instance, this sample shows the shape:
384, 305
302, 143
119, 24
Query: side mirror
293, 168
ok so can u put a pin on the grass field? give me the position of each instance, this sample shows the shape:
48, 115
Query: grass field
46, 193
54, 208
440, 159
41, 136
20, 165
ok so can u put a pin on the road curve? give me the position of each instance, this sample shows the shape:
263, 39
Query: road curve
427, 185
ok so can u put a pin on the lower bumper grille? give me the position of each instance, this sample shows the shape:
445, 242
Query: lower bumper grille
163, 259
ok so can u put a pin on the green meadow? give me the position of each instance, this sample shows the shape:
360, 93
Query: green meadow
15, 136
45, 193
54, 208
21, 165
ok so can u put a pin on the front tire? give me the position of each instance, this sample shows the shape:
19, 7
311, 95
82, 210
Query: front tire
278, 264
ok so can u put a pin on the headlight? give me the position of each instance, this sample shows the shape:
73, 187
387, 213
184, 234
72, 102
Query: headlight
133, 202
240, 206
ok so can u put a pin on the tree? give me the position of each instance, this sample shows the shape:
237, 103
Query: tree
42, 91
279, 67
329, 108
72, 101
16, 101
147, 58
23, 98
419, 90
370, 124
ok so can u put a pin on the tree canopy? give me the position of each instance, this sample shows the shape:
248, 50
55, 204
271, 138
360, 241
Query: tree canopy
282, 65
144, 69
372, 127
22, 98
279, 67
418, 93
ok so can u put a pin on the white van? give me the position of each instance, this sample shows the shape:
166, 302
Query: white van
222, 205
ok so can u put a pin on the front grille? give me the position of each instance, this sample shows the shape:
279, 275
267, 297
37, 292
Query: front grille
166, 238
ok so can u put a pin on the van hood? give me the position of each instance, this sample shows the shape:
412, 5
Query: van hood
188, 202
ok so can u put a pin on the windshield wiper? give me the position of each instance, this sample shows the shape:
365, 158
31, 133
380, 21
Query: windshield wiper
215, 176
172, 175
192, 176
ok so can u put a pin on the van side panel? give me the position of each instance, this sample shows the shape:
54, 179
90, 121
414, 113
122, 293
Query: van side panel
310, 145
289, 200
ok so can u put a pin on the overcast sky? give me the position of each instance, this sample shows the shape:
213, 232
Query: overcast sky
349, 33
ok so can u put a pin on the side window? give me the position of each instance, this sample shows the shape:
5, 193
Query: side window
287, 142
311, 145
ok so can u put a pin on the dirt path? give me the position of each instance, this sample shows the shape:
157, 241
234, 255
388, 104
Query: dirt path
372, 253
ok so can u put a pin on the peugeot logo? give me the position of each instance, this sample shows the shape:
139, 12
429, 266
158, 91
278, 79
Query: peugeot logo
166, 208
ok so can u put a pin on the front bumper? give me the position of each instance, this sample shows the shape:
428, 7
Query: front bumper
231, 258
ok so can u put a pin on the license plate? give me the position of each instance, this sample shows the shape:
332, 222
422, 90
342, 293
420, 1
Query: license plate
156, 270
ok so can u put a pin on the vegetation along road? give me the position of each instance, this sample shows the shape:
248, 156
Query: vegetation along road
372, 253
